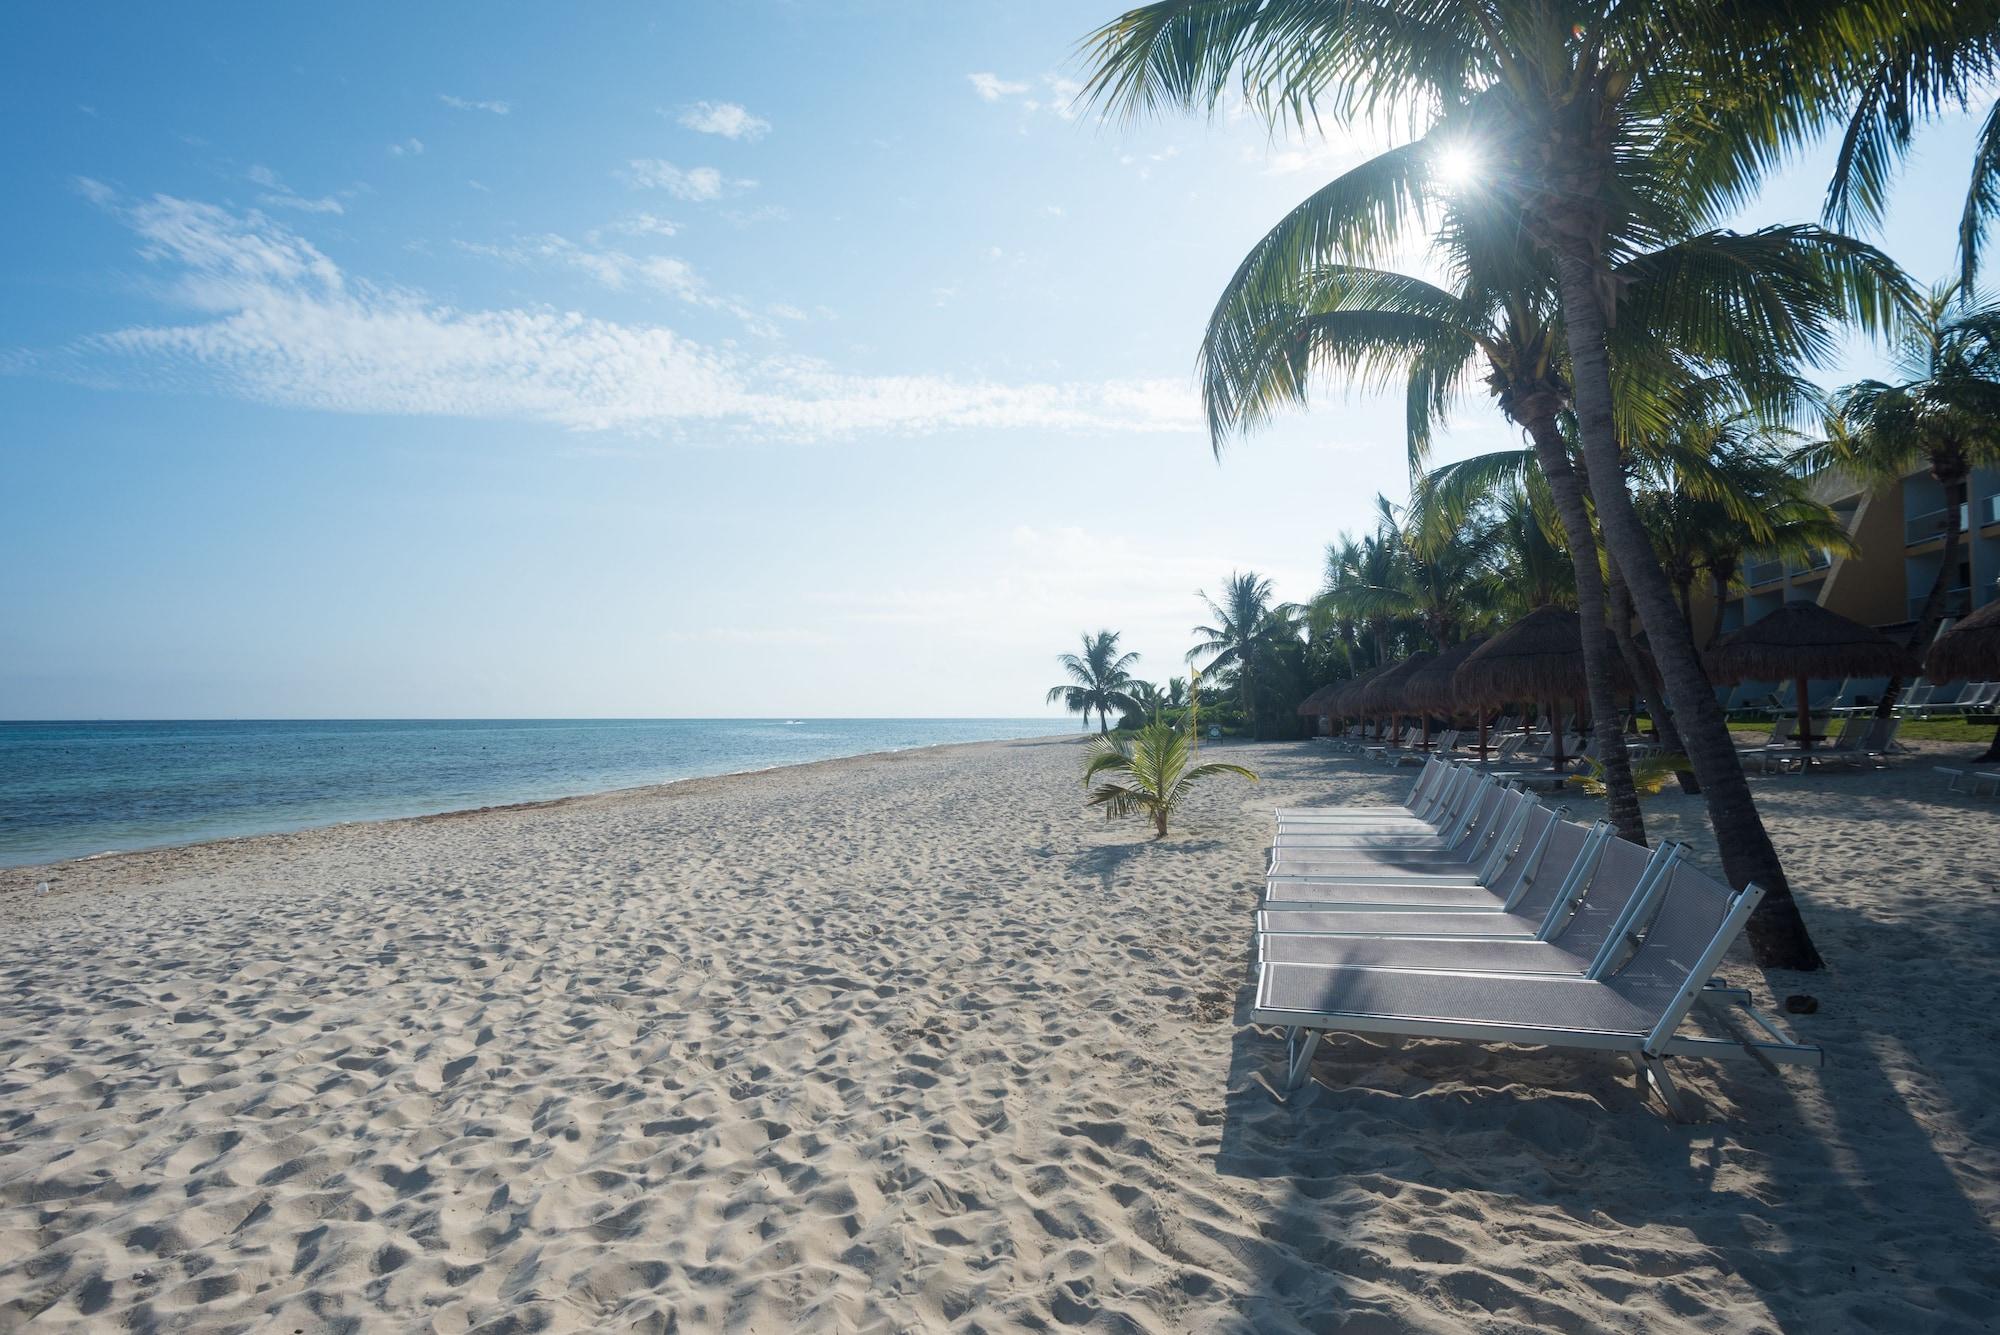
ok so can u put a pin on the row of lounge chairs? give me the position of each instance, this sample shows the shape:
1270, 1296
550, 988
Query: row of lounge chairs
1977, 697
1504, 747
1921, 699
1862, 738
1472, 911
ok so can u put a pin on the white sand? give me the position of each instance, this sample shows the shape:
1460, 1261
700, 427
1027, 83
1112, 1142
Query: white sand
912, 1042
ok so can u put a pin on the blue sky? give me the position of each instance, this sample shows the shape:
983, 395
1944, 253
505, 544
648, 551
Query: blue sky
693, 359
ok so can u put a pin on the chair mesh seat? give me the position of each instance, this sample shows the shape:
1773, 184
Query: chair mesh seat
1496, 956
1388, 859
1445, 895
1396, 922
1320, 996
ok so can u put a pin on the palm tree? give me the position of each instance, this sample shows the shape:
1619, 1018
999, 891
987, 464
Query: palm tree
1713, 491
1935, 63
1608, 129
1528, 565
1289, 312
1246, 625
1150, 701
1157, 770
1941, 415
1100, 679
1435, 585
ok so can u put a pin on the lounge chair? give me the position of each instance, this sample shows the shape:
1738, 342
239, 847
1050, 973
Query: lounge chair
1456, 852
1584, 931
1880, 742
1635, 1006
1973, 779
1461, 810
1420, 802
1517, 888
1445, 808
1854, 730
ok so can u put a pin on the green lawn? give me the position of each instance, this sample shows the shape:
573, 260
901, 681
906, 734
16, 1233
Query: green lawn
1914, 729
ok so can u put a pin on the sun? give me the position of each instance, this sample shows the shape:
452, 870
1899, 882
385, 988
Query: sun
1458, 167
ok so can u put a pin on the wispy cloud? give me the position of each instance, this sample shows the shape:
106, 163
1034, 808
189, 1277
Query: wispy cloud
645, 224
277, 195
270, 318
698, 185
1058, 93
491, 107
731, 120
992, 88
407, 148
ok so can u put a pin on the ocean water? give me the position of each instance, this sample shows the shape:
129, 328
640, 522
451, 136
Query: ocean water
73, 789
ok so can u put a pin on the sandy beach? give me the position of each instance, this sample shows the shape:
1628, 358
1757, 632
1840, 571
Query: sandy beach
914, 1042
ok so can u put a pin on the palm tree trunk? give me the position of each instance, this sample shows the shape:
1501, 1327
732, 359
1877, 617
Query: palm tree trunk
1621, 795
1684, 588
1777, 932
1925, 630
1648, 680
1718, 585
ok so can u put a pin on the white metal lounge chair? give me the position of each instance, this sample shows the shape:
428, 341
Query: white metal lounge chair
1457, 853
1518, 889
1588, 931
1635, 1007
1854, 730
1447, 811
1431, 782
1479, 801
1973, 780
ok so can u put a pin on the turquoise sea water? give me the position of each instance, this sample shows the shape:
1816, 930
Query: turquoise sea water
72, 789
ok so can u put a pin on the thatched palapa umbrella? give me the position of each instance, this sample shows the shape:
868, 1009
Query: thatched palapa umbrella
1315, 704
1432, 687
1970, 650
1342, 700
1800, 641
1539, 657
1384, 695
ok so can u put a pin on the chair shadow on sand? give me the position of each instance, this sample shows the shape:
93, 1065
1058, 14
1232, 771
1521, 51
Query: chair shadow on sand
1393, 1165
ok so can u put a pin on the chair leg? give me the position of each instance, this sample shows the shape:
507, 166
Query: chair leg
1654, 1069
1299, 1048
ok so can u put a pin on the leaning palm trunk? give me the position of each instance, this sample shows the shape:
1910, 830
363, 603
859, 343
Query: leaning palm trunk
1648, 680
1621, 796
1777, 932
1925, 630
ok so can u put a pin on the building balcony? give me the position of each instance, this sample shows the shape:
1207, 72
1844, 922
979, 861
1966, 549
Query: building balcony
1925, 527
1989, 510
1763, 572
1957, 602
1818, 562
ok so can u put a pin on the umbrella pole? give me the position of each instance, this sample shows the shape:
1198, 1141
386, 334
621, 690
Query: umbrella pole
1425, 745
1482, 734
1556, 731
1805, 717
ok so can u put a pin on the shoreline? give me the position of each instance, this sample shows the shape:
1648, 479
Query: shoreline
17, 878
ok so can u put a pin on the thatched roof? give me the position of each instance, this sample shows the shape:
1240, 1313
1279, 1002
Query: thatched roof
1803, 639
1341, 703
1431, 687
1539, 657
1384, 695
1970, 650
1317, 702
